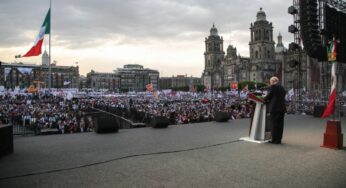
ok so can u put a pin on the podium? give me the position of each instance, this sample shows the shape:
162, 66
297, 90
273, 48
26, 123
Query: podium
258, 124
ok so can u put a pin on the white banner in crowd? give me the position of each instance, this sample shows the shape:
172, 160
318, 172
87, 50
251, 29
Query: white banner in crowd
24, 70
344, 93
7, 71
167, 91
66, 83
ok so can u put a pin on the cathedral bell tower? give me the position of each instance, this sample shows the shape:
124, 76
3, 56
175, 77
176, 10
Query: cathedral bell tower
262, 49
45, 58
213, 55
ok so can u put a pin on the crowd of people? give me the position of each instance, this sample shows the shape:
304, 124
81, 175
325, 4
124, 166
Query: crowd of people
69, 111
187, 108
45, 111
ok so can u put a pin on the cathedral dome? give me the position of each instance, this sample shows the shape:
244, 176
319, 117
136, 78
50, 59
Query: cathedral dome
261, 15
213, 31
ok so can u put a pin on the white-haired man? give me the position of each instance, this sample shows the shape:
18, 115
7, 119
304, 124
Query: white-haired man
276, 107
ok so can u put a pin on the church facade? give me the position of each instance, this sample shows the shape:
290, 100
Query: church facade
221, 69
265, 60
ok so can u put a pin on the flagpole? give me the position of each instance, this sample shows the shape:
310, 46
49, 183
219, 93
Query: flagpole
50, 53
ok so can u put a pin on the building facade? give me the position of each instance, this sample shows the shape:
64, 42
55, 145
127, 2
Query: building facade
265, 60
24, 75
179, 81
131, 77
234, 67
221, 70
213, 56
262, 54
98, 80
134, 77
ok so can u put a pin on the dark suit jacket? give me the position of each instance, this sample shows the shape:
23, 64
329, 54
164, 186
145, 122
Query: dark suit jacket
276, 99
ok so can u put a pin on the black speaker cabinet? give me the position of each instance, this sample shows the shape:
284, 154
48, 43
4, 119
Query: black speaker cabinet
6, 139
105, 123
159, 122
318, 110
222, 116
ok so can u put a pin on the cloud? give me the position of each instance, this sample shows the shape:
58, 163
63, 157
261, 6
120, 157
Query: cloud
84, 25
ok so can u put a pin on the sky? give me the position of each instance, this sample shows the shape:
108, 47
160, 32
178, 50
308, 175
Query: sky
103, 35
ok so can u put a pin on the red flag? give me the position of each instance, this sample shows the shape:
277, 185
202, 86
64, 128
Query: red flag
234, 85
149, 87
331, 105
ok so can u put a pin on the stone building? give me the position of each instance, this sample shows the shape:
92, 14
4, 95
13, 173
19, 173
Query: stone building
178, 81
213, 56
221, 70
98, 80
131, 77
265, 61
134, 77
262, 53
234, 67
24, 75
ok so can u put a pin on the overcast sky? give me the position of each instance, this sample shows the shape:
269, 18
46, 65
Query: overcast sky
167, 35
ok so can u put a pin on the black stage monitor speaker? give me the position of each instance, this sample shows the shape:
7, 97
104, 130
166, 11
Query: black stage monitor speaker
222, 116
318, 110
159, 122
105, 123
6, 139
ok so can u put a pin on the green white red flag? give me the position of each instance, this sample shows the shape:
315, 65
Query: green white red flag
332, 59
45, 29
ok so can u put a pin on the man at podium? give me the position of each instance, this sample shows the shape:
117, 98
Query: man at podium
276, 107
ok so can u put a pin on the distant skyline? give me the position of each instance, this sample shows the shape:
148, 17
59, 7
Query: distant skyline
167, 35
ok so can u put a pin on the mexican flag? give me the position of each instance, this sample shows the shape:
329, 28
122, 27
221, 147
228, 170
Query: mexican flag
45, 29
332, 59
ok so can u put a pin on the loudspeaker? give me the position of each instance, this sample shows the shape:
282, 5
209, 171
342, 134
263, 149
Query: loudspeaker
292, 10
159, 122
311, 36
292, 29
222, 116
105, 123
293, 46
6, 139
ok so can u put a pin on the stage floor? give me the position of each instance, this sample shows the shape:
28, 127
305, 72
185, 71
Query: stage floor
195, 155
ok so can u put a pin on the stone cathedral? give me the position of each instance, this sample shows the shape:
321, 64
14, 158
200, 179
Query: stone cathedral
265, 60
221, 69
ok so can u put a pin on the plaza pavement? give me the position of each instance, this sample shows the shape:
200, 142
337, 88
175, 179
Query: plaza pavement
196, 155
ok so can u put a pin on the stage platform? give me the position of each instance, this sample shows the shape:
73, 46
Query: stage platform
196, 155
